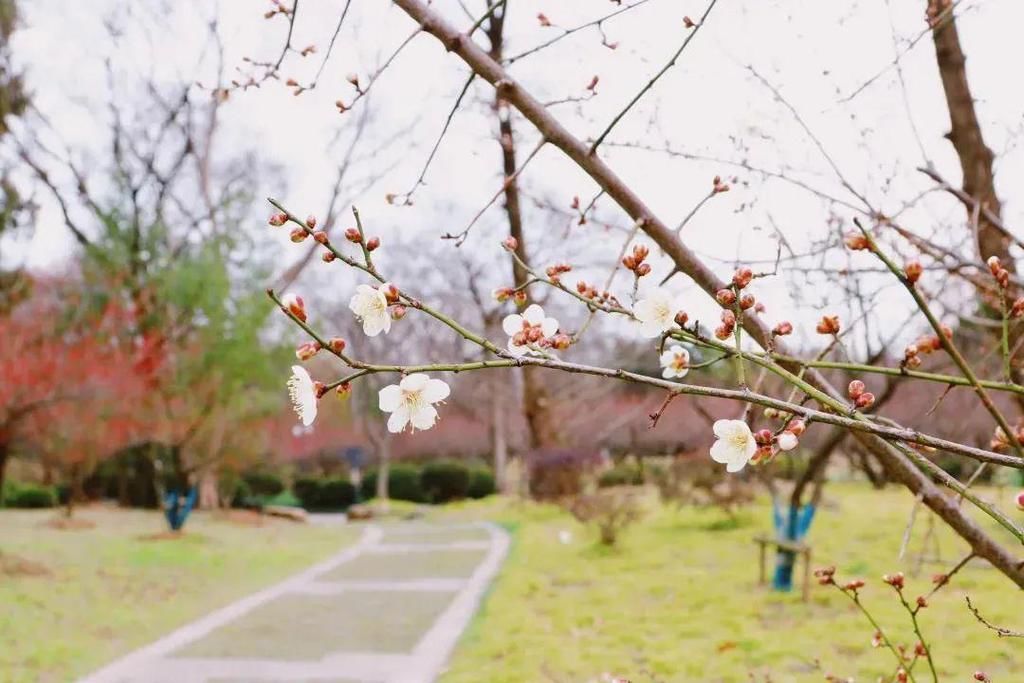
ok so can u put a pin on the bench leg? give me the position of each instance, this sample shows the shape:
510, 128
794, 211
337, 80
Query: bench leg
761, 565
807, 575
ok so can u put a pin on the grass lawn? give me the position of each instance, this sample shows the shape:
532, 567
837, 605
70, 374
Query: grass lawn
678, 601
108, 590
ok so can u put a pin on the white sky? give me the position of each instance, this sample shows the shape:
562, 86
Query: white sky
815, 52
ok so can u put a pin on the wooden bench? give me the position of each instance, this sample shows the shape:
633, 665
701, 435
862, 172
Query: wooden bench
799, 549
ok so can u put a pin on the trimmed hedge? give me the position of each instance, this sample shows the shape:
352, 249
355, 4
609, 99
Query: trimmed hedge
403, 484
444, 481
263, 483
324, 494
28, 496
481, 483
621, 475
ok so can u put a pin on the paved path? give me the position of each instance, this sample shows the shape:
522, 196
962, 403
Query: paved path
388, 609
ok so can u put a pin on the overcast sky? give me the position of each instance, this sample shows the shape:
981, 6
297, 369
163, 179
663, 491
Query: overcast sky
816, 53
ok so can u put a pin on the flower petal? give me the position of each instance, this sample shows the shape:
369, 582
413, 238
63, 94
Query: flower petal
721, 451
398, 419
549, 327
667, 357
389, 398
517, 351
424, 418
534, 314
668, 373
650, 328
735, 465
436, 390
644, 310
415, 382
512, 324
724, 429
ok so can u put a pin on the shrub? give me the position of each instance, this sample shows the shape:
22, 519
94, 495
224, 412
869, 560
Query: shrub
242, 497
307, 490
611, 510
29, 496
481, 483
558, 473
403, 484
622, 474
336, 494
444, 481
263, 483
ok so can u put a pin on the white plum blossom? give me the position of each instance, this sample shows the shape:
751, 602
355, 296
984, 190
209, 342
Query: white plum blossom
302, 392
371, 308
657, 312
735, 445
526, 330
411, 401
675, 361
787, 441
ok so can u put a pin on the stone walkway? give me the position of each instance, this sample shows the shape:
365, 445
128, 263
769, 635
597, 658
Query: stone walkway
388, 609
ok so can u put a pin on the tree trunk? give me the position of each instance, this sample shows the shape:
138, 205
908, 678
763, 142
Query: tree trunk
499, 442
383, 469
536, 403
5, 452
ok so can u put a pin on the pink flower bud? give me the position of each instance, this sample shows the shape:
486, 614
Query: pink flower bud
723, 332
681, 318
913, 271
640, 252
320, 237
747, 301
390, 292
398, 312
502, 294
725, 297
510, 243
798, 427
783, 328
561, 342
763, 437
642, 269
320, 388
352, 235
742, 277
829, 324
328, 256
520, 297
293, 304
278, 219
865, 400
311, 221
306, 351
336, 344
922, 602
728, 317
1019, 500
298, 235
344, 390
372, 243
994, 265
855, 389
894, 580
854, 585
982, 677
856, 242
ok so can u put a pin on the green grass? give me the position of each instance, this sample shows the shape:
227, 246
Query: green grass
678, 600
109, 591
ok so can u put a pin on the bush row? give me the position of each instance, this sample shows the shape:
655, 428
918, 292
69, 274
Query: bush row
436, 482
17, 495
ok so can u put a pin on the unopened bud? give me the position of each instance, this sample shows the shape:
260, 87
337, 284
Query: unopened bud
298, 235
278, 219
681, 318
294, 304
787, 441
510, 243
352, 235
320, 388
520, 297
856, 242
502, 294
783, 328
763, 437
336, 344
398, 312
723, 332
865, 400
311, 221
372, 243
390, 292
894, 580
640, 252
994, 265
561, 341
642, 269
1019, 499
913, 271
306, 351
725, 297
829, 324
747, 301
742, 277
328, 256
321, 237
344, 390
855, 389
798, 427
